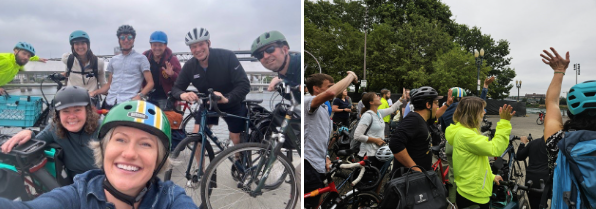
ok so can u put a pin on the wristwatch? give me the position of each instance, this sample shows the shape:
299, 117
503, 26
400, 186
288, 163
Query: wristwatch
143, 97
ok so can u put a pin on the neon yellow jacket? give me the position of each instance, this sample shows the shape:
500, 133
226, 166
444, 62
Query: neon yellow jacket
9, 67
385, 105
473, 175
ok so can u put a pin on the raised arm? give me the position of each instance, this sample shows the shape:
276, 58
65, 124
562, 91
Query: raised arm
334, 90
553, 120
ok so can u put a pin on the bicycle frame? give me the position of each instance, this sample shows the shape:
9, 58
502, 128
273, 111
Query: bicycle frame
276, 145
205, 132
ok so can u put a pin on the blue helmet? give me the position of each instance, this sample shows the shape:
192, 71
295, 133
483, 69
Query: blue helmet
158, 36
582, 97
25, 46
78, 34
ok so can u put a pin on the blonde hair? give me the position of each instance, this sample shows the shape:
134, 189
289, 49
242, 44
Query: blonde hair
469, 112
99, 146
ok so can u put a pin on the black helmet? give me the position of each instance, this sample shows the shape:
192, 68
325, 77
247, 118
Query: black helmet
424, 94
126, 29
71, 96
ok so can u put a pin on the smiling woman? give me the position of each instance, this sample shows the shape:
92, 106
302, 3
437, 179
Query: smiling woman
134, 148
72, 129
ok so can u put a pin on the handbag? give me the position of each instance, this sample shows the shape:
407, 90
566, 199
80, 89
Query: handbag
414, 190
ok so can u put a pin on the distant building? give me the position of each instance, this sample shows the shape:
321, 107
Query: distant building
535, 98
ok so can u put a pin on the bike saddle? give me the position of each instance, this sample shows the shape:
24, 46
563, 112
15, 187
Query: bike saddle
436, 149
345, 152
253, 101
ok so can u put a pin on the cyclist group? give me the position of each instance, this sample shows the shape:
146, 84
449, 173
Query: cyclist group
467, 149
114, 162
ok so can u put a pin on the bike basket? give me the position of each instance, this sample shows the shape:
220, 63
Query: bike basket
21, 111
29, 154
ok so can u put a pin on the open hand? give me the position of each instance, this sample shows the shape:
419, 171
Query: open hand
488, 81
556, 62
449, 97
505, 112
169, 69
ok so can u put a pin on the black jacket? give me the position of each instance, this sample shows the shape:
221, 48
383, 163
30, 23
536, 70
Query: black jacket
224, 74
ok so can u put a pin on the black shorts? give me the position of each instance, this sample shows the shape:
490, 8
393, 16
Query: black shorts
235, 125
312, 180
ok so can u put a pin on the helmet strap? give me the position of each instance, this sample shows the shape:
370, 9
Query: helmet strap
284, 63
124, 197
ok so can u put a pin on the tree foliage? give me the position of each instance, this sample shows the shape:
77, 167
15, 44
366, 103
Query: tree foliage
409, 44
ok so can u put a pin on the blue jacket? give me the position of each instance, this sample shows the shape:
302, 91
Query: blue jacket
87, 192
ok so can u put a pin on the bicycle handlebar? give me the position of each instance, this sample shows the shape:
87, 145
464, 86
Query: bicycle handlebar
522, 187
337, 165
213, 99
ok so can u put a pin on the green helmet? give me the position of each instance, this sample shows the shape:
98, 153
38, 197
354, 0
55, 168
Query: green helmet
266, 39
142, 115
458, 92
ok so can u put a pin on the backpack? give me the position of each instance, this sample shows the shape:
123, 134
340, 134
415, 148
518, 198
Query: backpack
70, 62
355, 144
575, 171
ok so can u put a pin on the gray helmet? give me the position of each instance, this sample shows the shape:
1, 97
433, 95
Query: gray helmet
126, 29
71, 96
424, 94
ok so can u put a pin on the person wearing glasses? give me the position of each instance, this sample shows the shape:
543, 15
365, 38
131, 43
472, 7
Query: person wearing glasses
218, 69
127, 71
272, 50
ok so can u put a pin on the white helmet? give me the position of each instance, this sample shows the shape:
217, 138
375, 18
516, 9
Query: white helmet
384, 154
196, 35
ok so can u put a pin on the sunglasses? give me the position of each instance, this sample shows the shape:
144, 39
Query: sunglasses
261, 54
122, 37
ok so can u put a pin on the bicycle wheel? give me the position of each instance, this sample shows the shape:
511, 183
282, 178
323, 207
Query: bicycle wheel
231, 193
360, 200
177, 173
370, 179
539, 122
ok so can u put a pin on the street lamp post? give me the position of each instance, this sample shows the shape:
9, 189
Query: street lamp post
576, 68
365, 32
518, 85
478, 65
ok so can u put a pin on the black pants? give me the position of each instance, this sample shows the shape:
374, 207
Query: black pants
312, 180
344, 121
463, 202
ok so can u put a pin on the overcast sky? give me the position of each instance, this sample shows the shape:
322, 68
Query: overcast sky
233, 24
532, 26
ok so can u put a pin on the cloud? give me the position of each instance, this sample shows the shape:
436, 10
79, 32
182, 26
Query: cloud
533, 26
233, 24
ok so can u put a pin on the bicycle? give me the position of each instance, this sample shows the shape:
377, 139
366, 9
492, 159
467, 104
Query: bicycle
30, 162
352, 199
190, 177
438, 166
514, 187
540, 119
509, 171
249, 171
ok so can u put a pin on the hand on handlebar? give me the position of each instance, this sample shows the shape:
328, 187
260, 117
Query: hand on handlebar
223, 99
189, 97
498, 179
19, 138
524, 139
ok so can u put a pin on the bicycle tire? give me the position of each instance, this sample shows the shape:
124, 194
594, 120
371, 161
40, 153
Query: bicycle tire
370, 180
360, 200
47, 181
177, 174
539, 122
267, 199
